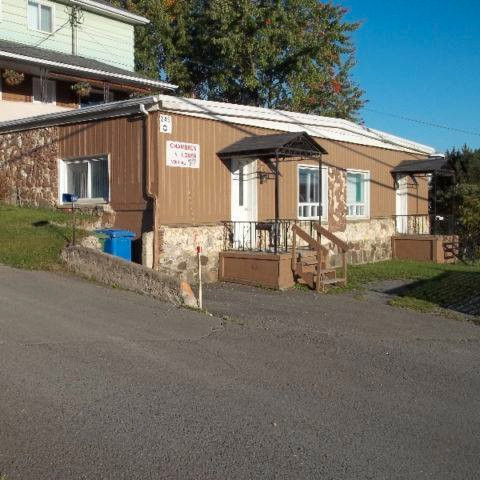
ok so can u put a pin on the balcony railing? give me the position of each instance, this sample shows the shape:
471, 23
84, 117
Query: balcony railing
425, 224
260, 236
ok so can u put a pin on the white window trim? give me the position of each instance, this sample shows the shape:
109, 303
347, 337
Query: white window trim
62, 176
324, 180
367, 195
46, 4
53, 82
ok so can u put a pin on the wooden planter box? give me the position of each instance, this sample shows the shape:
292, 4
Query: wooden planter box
258, 269
428, 248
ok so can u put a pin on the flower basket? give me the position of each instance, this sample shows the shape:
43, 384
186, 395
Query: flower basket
82, 89
12, 77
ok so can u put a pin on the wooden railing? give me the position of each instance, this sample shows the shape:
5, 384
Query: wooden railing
342, 246
317, 275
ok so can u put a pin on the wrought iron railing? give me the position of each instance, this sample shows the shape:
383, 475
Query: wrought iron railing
263, 236
425, 224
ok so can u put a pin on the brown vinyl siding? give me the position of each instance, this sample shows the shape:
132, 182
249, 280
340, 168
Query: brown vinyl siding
187, 195
378, 162
196, 196
203, 196
122, 140
418, 196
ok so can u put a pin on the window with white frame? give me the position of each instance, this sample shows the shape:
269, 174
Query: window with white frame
358, 194
87, 178
40, 16
49, 95
309, 191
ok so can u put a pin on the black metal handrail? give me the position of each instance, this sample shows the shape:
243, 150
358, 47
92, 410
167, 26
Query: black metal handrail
260, 236
426, 224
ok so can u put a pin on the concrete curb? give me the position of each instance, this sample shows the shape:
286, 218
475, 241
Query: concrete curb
115, 272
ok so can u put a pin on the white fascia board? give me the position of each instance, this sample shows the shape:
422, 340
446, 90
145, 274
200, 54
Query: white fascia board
109, 11
96, 112
315, 125
75, 68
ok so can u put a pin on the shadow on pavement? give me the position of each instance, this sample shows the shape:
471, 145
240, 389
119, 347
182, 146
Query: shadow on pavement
458, 291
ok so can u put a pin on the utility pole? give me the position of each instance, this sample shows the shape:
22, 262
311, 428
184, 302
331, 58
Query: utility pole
75, 19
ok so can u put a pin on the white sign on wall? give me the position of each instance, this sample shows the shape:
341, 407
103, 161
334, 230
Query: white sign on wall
165, 124
181, 154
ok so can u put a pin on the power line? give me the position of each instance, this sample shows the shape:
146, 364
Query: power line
89, 32
50, 35
75, 18
423, 122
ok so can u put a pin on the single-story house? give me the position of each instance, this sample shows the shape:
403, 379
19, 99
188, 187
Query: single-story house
188, 171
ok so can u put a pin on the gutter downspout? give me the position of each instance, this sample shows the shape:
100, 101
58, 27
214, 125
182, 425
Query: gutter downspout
148, 190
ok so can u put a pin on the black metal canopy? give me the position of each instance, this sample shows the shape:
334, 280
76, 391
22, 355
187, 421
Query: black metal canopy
434, 166
437, 165
278, 147
288, 144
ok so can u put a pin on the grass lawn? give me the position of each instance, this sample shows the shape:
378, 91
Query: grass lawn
435, 286
32, 238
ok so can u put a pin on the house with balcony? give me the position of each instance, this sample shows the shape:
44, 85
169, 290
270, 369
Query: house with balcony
58, 55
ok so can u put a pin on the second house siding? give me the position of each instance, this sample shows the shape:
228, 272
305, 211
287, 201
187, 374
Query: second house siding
100, 38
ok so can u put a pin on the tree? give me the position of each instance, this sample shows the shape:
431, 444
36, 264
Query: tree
288, 54
462, 197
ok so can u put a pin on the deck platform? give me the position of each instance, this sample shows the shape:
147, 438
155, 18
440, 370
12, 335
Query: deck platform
257, 268
428, 248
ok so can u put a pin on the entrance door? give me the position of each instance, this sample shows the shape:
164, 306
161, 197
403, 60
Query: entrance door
244, 202
402, 204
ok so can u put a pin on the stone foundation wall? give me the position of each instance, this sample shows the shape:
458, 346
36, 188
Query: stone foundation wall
369, 240
28, 167
178, 251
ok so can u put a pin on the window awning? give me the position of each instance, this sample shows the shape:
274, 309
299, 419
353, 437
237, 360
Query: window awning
290, 144
437, 165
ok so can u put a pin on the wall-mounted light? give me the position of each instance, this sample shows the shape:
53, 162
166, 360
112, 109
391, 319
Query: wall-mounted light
263, 176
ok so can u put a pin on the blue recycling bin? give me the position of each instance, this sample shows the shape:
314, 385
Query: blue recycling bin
118, 243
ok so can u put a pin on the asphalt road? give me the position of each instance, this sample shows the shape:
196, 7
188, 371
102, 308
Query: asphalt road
98, 383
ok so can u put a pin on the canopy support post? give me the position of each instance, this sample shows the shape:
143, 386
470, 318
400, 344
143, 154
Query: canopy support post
434, 202
277, 210
320, 192
320, 184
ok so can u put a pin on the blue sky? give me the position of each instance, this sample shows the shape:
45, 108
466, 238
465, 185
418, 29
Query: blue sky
420, 59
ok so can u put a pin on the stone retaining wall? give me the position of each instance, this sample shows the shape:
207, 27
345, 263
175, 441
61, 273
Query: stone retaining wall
114, 271
28, 167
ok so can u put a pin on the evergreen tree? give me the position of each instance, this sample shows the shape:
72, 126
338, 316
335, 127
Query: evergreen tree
288, 54
461, 197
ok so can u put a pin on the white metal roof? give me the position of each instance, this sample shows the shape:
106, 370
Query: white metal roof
315, 125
